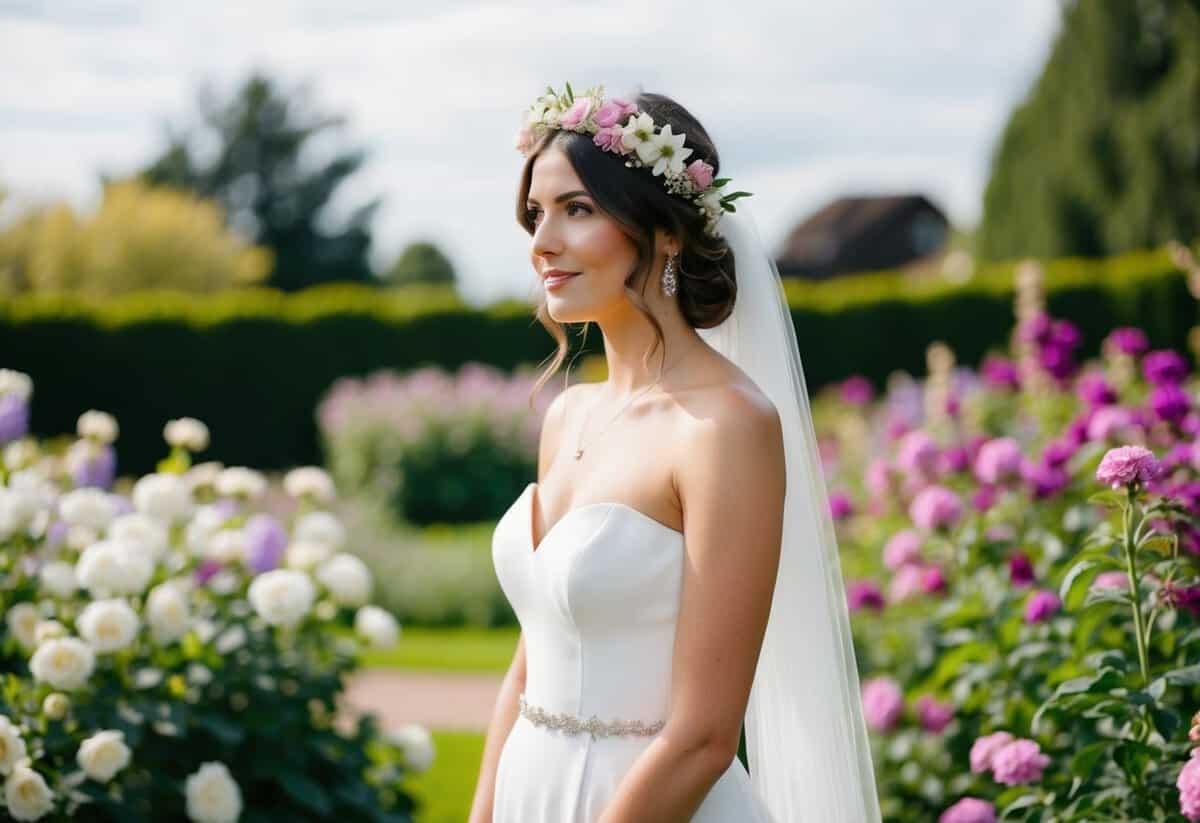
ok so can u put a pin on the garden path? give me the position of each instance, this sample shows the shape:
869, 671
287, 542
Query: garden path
457, 701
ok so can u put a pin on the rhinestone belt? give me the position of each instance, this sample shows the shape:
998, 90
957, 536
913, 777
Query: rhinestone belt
571, 724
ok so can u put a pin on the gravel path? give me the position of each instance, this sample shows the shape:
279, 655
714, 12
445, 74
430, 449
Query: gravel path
436, 700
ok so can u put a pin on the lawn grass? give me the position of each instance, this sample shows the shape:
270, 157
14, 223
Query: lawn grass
445, 791
448, 650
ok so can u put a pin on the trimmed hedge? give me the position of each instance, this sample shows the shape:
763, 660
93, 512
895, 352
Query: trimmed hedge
254, 363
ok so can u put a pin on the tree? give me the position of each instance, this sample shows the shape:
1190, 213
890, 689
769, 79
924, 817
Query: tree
269, 194
421, 262
1102, 156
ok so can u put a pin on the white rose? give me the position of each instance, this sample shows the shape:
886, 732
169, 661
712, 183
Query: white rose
167, 612
56, 705
231, 639
304, 554
22, 622
20, 453
103, 754
186, 433
212, 795
15, 382
97, 425
12, 745
227, 546
417, 744
108, 625
207, 521
239, 481
309, 481
80, 537
347, 578
27, 795
58, 578
378, 626
89, 507
165, 497
321, 527
143, 532
203, 474
48, 630
109, 567
282, 597
65, 663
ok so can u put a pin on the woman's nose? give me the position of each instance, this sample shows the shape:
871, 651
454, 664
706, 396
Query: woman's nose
546, 238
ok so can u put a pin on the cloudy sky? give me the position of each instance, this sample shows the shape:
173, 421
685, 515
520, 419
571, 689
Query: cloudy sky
806, 100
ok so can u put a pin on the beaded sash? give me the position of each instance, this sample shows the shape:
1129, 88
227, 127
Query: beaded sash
571, 724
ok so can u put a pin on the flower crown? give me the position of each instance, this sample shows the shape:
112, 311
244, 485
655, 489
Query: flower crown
640, 141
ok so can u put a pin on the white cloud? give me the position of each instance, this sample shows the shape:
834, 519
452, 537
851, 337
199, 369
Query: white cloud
806, 101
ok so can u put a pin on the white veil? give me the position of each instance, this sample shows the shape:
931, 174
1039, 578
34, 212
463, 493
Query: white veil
806, 742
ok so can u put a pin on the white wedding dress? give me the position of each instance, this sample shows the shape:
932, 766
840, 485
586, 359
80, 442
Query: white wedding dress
597, 601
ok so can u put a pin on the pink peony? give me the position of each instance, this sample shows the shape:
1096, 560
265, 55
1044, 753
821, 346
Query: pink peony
701, 173
935, 509
1041, 606
1126, 465
969, 810
1188, 784
609, 139
577, 113
1018, 762
985, 747
883, 704
613, 112
934, 716
998, 460
917, 454
903, 548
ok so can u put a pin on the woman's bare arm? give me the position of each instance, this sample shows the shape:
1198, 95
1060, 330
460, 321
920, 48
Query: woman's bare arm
504, 715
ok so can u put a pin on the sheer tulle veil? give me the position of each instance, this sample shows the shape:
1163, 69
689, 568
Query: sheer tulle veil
807, 747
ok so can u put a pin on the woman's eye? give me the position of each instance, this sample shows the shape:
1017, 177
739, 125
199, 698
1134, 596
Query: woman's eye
531, 214
579, 206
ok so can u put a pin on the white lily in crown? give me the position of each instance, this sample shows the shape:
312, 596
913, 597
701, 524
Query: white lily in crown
638, 132
669, 151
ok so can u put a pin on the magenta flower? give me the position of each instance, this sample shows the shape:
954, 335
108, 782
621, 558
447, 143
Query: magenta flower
864, 594
1127, 340
902, 548
936, 508
206, 571
1000, 373
933, 580
1126, 466
701, 173
917, 454
1044, 481
953, 460
577, 113
934, 716
1058, 452
883, 703
1110, 423
998, 460
1020, 569
969, 810
1018, 762
1164, 366
1041, 606
984, 748
840, 506
1170, 403
1187, 597
857, 391
1093, 389
983, 498
1188, 784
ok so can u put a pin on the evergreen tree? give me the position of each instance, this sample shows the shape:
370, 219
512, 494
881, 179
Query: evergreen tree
269, 195
421, 262
1104, 154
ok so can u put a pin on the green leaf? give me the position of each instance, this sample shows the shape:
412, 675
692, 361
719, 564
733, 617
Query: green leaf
1166, 720
1186, 676
720, 181
1107, 498
306, 792
1075, 584
222, 728
1085, 759
1133, 757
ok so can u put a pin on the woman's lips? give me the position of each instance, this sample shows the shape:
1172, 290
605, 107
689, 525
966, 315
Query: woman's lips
553, 281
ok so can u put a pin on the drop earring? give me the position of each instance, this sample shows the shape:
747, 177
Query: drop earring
670, 283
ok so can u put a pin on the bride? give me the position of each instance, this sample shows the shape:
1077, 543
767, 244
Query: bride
673, 568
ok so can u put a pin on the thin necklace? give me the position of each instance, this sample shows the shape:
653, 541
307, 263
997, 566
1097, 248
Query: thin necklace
579, 440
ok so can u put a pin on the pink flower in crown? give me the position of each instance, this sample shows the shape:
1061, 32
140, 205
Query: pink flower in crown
524, 141
577, 113
701, 173
609, 139
613, 112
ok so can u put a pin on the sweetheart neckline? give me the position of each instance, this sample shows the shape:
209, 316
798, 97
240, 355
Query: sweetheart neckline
616, 504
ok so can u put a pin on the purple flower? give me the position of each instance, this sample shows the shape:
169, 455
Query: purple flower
917, 454
857, 391
1041, 606
984, 748
1093, 389
969, 810
99, 468
983, 498
1126, 466
1127, 340
56, 533
864, 594
206, 570
903, 548
1000, 373
1187, 494
883, 704
1057, 453
933, 580
998, 460
1018, 762
1111, 580
266, 540
1187, 597
14, 418
934, 716
840, 506
1045, 481
1020, 569
953, 460
1110, 423
1169, 402
936, 508
1188, 784
1164, 366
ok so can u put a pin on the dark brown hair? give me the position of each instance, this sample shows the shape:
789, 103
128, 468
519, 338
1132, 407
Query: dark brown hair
640, 204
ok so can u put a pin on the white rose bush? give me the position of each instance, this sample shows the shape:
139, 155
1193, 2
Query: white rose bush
170, 653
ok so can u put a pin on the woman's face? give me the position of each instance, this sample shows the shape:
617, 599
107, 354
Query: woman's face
573, 236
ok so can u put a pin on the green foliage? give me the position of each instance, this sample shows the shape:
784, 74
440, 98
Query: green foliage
1101, 157
461, 649
421, 262
268, 193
